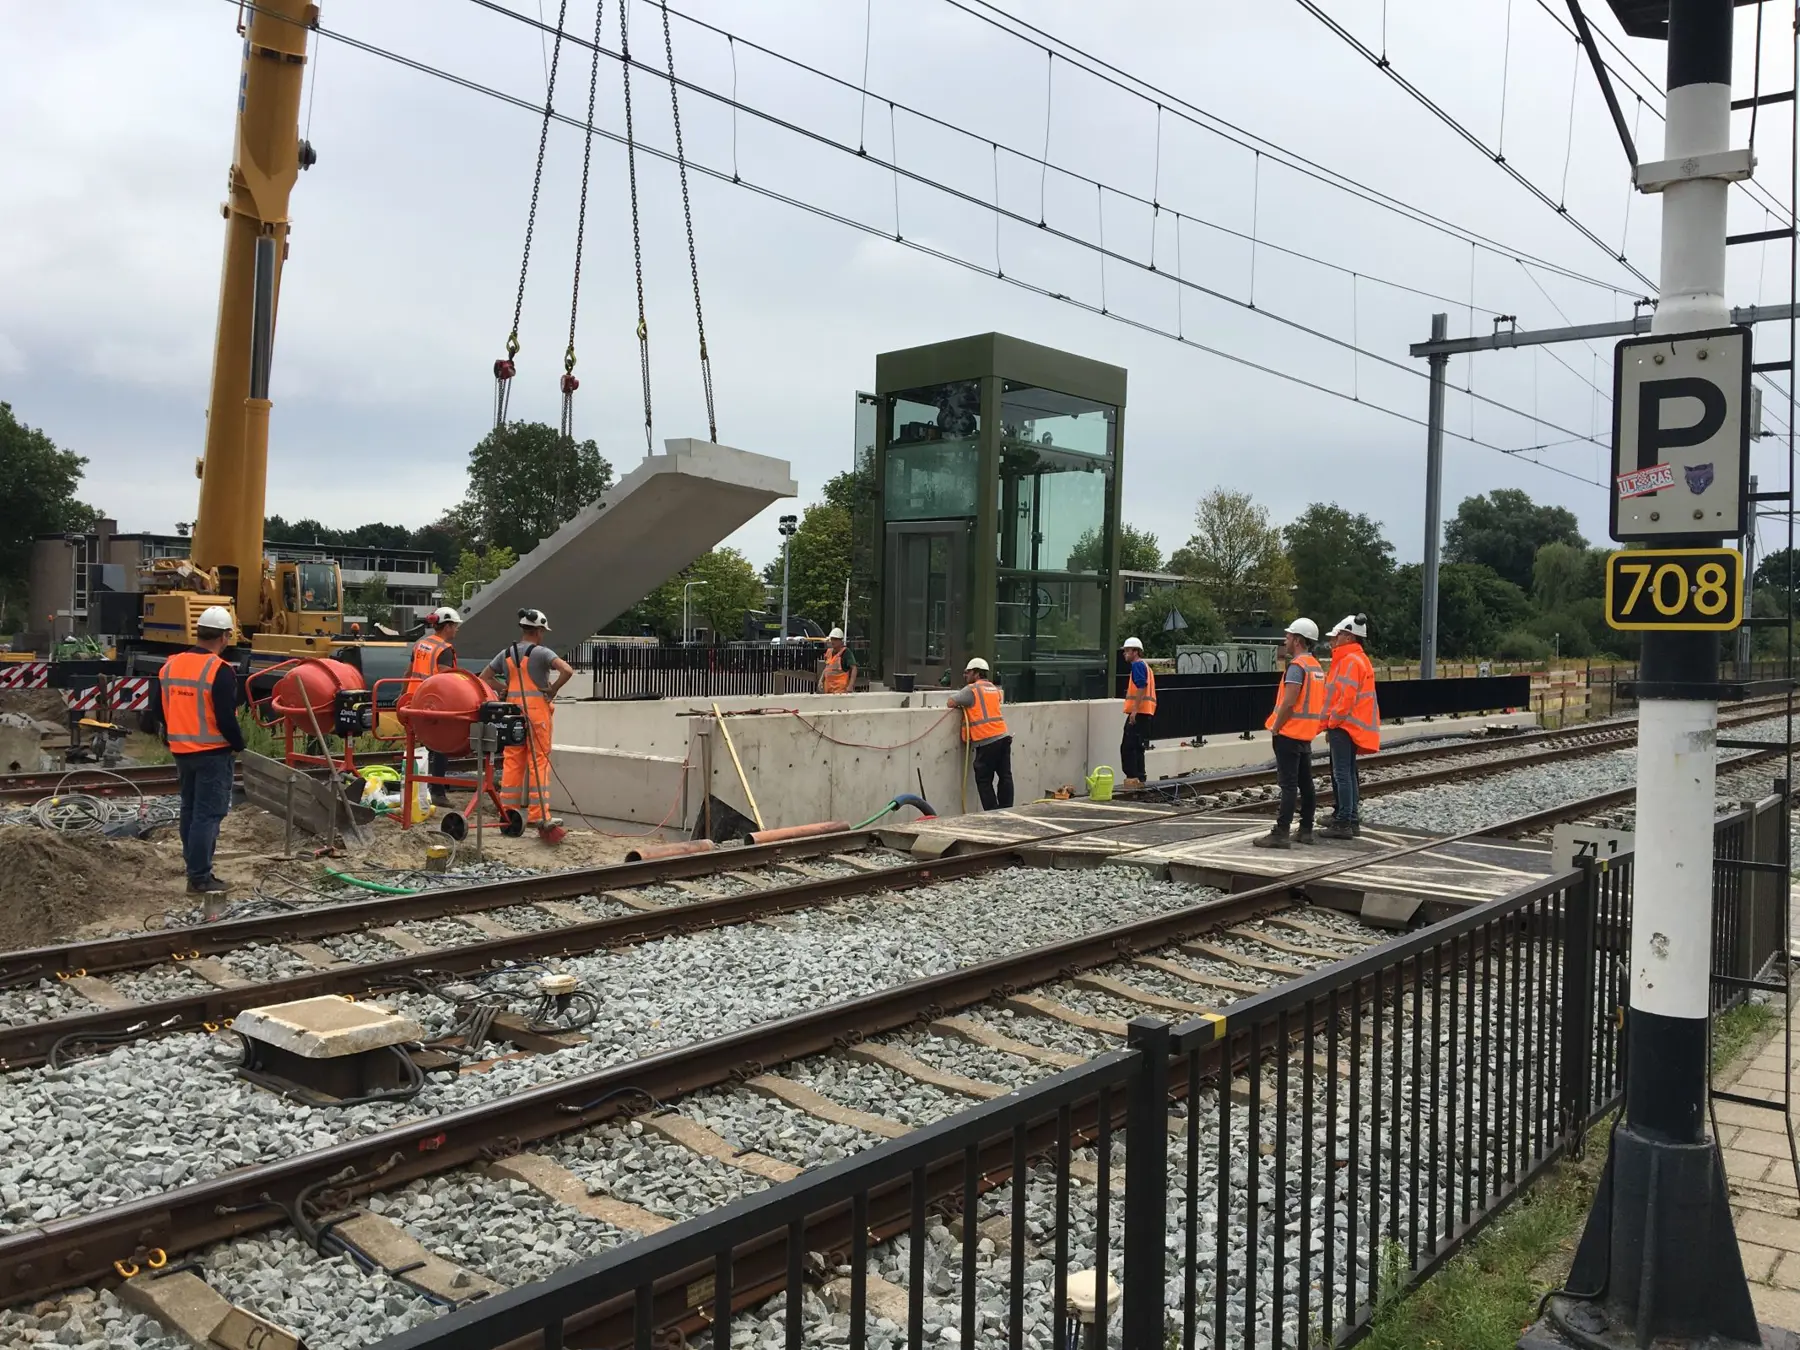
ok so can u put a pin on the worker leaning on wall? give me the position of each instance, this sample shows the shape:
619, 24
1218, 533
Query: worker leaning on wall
984, 732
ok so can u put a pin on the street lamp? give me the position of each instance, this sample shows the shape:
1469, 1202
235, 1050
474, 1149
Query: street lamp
685, 627
788, 525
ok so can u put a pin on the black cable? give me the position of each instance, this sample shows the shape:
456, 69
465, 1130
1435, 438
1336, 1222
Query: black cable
1042, 291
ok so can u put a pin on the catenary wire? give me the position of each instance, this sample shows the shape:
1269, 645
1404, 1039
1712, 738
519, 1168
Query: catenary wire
826, 213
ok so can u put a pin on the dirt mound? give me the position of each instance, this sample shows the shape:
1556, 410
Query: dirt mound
57, 883
47, 705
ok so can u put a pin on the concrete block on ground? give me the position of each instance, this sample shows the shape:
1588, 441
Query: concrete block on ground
647, 527
326, 1027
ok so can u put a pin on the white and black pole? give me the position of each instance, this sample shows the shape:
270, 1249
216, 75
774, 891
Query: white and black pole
1659, 1260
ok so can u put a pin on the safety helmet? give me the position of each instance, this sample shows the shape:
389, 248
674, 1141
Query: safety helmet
1305, 628
837, 633
534, 618
1130, 643
976, 663
214, 619
1357, 625
447, 615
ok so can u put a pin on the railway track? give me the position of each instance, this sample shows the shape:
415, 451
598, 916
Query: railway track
150, 780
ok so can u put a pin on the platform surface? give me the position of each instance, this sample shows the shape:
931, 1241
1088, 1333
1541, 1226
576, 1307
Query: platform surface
644, 529
1759, 1169
1220, 850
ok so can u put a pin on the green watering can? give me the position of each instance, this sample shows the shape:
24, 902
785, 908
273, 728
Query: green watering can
1100, 784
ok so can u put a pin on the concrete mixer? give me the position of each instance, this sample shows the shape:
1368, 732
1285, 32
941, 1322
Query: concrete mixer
454, 713
314, 700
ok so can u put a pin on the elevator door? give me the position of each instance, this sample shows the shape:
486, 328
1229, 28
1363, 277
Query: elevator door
928, 618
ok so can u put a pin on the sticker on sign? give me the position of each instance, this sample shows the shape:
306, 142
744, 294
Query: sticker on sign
1642, 482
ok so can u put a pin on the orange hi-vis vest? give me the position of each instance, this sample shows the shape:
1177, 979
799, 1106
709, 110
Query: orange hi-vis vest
426, 653
1308, 716
836, 679
187, 700
984, 722
1141, 701
525, 769
1350, 697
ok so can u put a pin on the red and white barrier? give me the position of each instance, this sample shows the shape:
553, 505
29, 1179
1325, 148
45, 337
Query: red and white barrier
25, 675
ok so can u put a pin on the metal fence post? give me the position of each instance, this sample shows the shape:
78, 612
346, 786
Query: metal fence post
1580, 903
1147, 1181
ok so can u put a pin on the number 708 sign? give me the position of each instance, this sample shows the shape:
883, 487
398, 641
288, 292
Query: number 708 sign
1675, 588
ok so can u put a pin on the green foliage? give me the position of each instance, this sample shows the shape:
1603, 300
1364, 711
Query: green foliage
1564, 573
819, 557
1772, 571
1145, 620
1235, 555
1504, 529
525, 480
732, 589
370, 599
1342, 563
472, 567
1520, 645
38, 483
1138, 551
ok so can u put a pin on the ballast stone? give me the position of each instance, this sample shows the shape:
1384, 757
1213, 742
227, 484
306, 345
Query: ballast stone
326, 1027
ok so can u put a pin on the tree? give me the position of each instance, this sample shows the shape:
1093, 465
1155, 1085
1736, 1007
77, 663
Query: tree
526, 479
1504, 529
38, 483
819, 554
732, 589
370, 600
1342, 563
472, 567
1562, 574
445, 538
1148, 619
1772, 572
1235, 556
1475, 607
1138, 551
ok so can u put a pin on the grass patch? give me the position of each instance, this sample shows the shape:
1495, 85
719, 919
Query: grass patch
1484, 1297
1736, 1031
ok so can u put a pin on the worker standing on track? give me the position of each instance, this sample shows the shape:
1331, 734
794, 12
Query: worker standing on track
839, 671
432, 653
1140, 707
1352, 721
984, 729
1298, 717
529, 674
195, 704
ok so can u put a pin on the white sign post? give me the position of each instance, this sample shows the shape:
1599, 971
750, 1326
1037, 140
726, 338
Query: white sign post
1681, 435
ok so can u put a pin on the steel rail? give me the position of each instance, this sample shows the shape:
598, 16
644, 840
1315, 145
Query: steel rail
153, 780
157, 945
65, 1253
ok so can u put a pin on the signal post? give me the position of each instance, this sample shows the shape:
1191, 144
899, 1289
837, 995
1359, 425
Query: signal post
1659, 1259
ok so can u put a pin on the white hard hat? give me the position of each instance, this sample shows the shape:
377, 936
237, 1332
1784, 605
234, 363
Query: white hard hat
1305, 628
976, 663
447, 615
1357, 625
534, 618
215, 619
837, 633
1130, 643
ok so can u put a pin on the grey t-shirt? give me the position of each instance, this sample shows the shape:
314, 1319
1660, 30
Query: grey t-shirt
537, 664
962, 698
1296, 674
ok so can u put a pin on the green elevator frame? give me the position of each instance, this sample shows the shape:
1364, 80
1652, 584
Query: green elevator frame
996, 362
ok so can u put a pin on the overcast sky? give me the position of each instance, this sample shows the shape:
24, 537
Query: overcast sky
405, 254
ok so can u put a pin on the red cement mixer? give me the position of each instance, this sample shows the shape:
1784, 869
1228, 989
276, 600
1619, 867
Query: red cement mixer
315, 699
453, 713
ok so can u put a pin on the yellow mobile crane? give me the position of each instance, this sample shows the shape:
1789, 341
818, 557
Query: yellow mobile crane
289, 608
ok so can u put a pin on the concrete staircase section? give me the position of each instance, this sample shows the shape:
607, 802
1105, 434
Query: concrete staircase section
647, 527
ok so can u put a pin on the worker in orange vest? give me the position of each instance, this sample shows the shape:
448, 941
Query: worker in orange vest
433, 652
1352, 721
1299, 716
1140, 707
195, 704
529, 674
984, 729
840, 666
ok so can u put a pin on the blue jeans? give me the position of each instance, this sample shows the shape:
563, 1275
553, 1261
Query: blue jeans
205, 802
1344, 785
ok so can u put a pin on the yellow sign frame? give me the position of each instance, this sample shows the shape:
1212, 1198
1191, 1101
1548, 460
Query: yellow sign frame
1652, 566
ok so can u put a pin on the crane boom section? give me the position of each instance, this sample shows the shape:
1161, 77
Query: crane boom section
228, 532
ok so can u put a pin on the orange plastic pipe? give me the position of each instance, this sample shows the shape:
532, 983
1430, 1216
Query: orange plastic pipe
796, 832
651, 852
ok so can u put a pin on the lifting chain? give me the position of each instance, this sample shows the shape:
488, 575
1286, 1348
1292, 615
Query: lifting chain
687, 212
637, 243
504, 368
569, 383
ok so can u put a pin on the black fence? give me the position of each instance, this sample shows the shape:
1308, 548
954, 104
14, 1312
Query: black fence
1188, 706
702, 672
1295, 1162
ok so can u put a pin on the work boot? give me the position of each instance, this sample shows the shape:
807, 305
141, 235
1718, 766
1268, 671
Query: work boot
211, 886
1305, 837
1338, 829
1275, 838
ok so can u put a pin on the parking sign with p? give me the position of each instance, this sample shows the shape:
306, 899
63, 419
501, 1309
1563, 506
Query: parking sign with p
1681, 435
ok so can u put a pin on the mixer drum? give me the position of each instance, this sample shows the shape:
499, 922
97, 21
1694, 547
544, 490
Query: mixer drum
440, 709
306, 696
